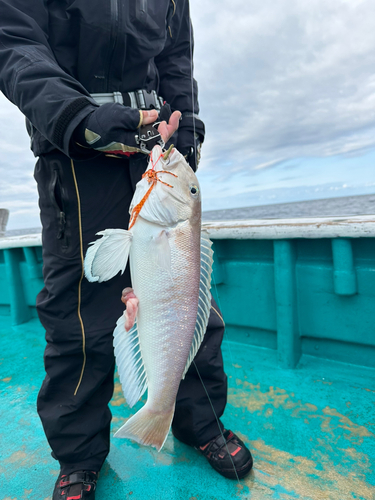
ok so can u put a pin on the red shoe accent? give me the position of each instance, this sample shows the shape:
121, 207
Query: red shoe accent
234, 453
228, 455
80, 486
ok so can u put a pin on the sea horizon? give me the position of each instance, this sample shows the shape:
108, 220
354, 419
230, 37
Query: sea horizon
326, 207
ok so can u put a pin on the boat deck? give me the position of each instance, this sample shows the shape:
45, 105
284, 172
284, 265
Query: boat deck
311, 430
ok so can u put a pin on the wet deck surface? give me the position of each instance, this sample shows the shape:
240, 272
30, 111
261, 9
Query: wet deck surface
311, 430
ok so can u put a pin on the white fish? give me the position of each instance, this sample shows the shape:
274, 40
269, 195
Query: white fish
170, 265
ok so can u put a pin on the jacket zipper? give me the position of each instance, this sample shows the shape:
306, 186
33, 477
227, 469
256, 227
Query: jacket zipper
62, 223
80, 281
113, 38
170, 18
56, 184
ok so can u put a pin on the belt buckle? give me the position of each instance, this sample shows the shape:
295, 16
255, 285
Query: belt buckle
117, 97
147, 99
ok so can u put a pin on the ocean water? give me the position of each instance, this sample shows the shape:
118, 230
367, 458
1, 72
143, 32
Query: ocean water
343, 206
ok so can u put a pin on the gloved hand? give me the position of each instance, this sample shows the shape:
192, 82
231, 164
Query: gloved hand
119, 130
191, 134
189, 145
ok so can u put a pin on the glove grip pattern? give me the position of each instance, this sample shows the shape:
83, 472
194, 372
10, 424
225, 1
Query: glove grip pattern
148, 136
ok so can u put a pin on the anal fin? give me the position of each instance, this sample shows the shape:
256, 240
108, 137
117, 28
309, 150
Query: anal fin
129, 361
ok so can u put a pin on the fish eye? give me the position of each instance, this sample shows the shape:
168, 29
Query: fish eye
194, 190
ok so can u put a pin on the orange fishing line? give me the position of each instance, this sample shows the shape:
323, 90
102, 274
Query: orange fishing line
152, 178
154, 165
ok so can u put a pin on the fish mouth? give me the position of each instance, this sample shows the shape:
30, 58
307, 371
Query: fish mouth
171, 161
171, 156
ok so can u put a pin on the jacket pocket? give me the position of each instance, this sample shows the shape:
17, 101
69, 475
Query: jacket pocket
59, 202
150, 16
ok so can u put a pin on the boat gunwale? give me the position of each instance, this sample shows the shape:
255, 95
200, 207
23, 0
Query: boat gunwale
293, 228
258, 229
26, 240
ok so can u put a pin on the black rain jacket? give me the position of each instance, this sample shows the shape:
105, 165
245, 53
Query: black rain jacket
55, 53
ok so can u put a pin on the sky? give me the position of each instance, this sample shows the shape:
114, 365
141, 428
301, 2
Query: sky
287, 92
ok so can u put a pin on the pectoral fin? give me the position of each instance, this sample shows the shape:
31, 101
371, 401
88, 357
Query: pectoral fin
107, 256
204, 302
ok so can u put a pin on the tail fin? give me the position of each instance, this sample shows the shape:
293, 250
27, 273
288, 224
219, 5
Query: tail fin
147, 427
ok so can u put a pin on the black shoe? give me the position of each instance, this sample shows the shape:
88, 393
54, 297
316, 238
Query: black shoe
77, 485
228, 455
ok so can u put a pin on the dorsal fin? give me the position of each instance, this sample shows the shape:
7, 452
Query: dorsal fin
204, 302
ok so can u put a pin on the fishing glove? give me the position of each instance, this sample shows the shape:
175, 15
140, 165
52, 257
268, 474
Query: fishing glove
191, 133
117, 130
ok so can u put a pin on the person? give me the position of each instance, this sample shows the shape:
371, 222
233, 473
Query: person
89, 77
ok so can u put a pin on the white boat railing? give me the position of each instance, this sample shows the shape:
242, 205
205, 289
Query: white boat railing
279, 229
259, 229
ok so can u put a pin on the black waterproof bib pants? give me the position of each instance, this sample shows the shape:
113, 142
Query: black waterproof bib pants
78, 199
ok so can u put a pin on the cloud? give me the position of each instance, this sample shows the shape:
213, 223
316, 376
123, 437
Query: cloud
286, 78
281, 84
18, 190
268, 164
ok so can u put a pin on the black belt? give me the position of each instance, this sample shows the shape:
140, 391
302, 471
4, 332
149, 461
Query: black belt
139, 99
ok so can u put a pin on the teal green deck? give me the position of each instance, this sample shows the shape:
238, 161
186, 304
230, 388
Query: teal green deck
302, 304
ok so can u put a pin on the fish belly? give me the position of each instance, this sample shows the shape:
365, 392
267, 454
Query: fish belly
168, 302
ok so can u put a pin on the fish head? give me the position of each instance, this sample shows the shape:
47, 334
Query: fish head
169, 191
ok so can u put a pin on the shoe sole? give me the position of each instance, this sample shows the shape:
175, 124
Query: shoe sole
241, 473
